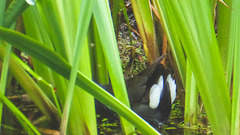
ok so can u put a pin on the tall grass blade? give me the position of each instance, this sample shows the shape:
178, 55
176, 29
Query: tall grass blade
38, 97
4, 74
104, 23
6, 59
99, 69
85, 14
234, 42
25, 123
223, 37
59, 65
196, 32
191, 99
173, 39
2, 10
144, 19
15, 9
52, 20
39, 79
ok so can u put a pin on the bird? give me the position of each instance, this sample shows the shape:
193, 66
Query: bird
150, 95
159, 104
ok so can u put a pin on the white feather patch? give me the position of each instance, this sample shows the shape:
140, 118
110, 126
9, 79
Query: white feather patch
155, 93
173, 87
154, 96
160, 82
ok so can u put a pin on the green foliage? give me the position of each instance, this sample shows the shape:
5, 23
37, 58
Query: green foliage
51, 48
64, 54
196, 32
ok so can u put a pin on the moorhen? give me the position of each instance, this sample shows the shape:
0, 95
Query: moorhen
159, 104
150, 96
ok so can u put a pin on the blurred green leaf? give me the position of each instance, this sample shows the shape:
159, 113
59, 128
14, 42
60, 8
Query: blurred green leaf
58, 64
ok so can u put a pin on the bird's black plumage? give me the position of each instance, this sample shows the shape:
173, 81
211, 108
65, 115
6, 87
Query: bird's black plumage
162, 113
138, 89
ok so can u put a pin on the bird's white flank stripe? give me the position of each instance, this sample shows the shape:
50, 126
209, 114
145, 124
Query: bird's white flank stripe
155, 92
172, 85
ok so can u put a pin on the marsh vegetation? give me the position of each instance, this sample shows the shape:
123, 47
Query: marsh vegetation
55, 56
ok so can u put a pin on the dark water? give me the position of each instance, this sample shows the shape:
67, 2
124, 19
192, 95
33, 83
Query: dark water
109, 127
108, 124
